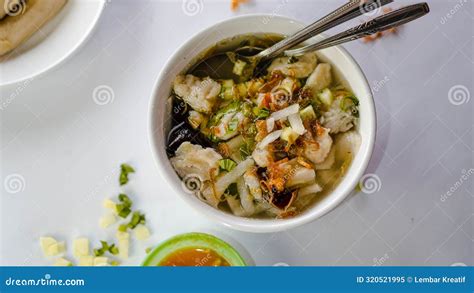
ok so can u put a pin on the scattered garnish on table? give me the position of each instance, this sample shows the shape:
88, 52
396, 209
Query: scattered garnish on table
379, 35
51, 247
119, 212
125, 169
234, 4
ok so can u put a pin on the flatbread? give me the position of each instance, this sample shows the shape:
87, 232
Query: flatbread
8, 7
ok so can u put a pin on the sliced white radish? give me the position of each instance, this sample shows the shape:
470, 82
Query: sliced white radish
284, 113
269, 139
270, 124
296, 123
309, 189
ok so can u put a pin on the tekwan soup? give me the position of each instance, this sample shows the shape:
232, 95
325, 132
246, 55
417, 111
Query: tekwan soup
269, 146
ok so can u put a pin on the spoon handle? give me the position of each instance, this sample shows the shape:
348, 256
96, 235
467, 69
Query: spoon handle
350, 10
379, 24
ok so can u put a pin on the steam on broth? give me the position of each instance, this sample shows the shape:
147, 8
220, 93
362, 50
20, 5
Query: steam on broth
269, 146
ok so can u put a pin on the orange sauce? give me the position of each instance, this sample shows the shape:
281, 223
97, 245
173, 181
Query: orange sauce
194, 257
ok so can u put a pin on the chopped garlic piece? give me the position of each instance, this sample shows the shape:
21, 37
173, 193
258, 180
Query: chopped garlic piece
58, 247
101, 261
81, 247
141, 232
86, 261
62, 262
109, 204
122, 235
123, 243
107, 220
51, 246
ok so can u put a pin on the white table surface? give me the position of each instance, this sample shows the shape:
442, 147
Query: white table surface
64, 149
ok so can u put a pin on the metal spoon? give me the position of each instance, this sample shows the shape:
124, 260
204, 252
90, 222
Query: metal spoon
379, 24
220, 66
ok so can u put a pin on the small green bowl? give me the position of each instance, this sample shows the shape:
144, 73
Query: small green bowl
194, 240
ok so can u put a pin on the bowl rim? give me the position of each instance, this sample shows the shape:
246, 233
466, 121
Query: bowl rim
211, 241
250, 224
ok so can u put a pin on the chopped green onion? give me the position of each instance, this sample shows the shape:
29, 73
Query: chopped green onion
261, 113
233, 124
226, 165
245, 151
114, 263
123, 228
148, 249
125, 199
113, 249
350, 103
104, 248
122, 210
137, 218
125, 169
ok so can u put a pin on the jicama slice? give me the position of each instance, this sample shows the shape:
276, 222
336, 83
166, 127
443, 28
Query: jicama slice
301, 176
15, 29
296, 123
235, 206
284, 113
269, 139
309, 189
246, 199
212, 194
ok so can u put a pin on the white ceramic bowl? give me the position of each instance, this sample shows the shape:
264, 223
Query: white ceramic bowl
160, 113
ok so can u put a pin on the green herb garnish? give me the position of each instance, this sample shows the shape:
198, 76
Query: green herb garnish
105, 247
226, 165
137, 218
261, 113
125, 169
233, 124
114, 263
113, 249
123, 228
350, 103
245, 151
124, 207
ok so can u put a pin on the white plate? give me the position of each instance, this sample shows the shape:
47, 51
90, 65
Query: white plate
56, 41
